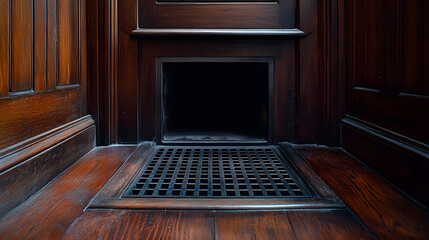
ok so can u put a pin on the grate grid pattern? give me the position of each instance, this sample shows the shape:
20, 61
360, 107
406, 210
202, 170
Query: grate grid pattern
217, 172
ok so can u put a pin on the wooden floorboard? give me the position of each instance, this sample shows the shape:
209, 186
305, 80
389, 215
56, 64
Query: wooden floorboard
140, 224
330, 224
253, 225
58, 210
386, 211
50, 212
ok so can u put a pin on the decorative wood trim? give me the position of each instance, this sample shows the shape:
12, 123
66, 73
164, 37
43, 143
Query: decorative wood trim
215, 204
398, 141
110, 196
159, 32
48, 156
19, 152
401, 160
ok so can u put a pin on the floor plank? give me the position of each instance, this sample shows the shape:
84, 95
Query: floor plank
385, 210
253, 225
330, 224
49, 213
140, 224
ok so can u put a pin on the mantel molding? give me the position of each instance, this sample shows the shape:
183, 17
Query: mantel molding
160, 32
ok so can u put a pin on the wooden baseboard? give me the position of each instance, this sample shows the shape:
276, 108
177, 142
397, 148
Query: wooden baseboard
399, 159
28, 166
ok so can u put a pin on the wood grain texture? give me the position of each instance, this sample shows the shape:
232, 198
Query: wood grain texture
387, 212
23, 180
257, 15
64, 42
74, 41
4, 48
40, 45
385, 82
21, 46
340, 224
31, 115
129, 224
308, 84
64, 199
52, 47
128, 73
253, 225
408, 162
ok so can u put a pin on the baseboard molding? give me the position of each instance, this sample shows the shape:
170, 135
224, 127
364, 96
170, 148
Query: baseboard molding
401, 160
28, 166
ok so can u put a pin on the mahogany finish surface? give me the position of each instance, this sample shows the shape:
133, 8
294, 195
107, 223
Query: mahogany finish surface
25, 178
387, 212
387, 89
155, 31
49, 213
382, 210
133, 224
42, 83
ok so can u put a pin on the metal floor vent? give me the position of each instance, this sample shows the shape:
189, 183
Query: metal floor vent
217, 172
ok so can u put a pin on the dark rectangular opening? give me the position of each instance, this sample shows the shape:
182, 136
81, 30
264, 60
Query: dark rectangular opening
215, 100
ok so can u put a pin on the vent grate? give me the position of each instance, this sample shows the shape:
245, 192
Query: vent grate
217, 172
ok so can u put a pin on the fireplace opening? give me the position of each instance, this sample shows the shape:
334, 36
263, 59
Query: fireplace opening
215, 100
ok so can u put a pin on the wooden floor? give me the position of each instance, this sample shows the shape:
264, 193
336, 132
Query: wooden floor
375, 209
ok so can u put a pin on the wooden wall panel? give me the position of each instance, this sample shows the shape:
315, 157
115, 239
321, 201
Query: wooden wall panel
387, 80
30, 100
74, 41
386, 85
52, 39
22, 45
64, 40
40, 45
4, 48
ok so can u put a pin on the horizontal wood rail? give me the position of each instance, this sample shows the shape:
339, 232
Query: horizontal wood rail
147, 32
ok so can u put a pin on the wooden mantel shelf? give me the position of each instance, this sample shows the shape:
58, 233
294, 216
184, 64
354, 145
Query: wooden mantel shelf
154, 32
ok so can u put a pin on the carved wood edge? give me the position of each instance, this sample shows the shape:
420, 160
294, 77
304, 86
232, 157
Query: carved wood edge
383, 135
21, 151
306, 172
160, 32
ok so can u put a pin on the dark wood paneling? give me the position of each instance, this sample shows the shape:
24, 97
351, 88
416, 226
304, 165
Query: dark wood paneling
386, 211
64, 42
74, 41
386, 88
4, 48
395, 159
52, 47
128, 73
21, 182
49, 213
307, 89
385, 65
103, 68
282, 51
21, 45
40, 45
28, 108
255, 15
28, 116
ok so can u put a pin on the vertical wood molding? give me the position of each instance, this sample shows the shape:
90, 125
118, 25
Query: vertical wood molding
4, 48
64, 40
308, 81
52, 55
21, 46
40, 45
113, 68
103, 68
